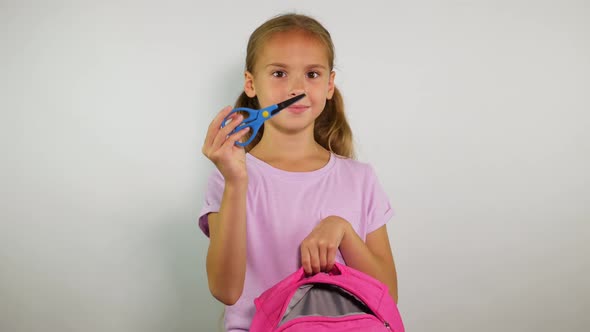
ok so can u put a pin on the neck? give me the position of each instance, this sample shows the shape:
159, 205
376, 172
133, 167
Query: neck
276, 145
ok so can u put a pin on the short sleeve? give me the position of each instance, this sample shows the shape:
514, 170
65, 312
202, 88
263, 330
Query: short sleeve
378, 206
212, 203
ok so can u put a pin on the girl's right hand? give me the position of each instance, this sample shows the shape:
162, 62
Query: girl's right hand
229, 158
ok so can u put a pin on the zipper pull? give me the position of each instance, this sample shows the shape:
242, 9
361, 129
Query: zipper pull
387, 325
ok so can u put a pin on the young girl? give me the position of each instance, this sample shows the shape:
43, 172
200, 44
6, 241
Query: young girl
294, 197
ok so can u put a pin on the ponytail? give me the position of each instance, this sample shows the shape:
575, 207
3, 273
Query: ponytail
332, 130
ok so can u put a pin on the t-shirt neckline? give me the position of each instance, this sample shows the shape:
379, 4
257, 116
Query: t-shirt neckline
293, 175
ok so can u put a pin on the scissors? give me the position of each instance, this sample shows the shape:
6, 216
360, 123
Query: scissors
256, 118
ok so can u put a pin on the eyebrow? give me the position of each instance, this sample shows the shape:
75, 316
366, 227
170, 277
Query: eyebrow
282, 65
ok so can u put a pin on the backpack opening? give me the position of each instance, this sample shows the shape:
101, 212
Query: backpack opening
323, 300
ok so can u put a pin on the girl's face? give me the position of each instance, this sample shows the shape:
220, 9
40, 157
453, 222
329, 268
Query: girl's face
289, 64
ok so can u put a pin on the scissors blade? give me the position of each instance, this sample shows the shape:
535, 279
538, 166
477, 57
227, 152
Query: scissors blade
284, 104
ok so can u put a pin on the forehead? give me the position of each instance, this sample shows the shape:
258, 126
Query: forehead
294, 48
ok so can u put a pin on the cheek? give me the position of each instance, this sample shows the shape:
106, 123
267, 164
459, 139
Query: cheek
319, 102
266, 89
319, 92
320, 86
275, 87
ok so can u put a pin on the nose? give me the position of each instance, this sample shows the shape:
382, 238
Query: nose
296, 92
296, 87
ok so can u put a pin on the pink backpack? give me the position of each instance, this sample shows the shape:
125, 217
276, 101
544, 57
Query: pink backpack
343, 300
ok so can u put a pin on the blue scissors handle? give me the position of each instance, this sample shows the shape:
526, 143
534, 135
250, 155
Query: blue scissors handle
256, 118
250, 116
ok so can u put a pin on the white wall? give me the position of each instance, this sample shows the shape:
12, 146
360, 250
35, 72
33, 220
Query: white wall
474, 113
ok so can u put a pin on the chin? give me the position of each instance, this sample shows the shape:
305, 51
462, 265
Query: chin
293, 129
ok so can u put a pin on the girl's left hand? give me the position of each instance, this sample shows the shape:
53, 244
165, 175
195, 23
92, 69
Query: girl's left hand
318, 249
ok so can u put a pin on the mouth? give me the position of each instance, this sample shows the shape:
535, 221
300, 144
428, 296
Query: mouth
297, 108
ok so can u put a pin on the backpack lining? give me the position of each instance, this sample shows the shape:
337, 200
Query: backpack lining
323, 300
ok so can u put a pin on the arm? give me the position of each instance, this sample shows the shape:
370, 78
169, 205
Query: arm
226, 256
373, 257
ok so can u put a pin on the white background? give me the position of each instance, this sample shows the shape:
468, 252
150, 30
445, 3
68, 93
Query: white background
473, 113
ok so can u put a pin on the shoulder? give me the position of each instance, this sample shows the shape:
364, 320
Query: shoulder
354, 168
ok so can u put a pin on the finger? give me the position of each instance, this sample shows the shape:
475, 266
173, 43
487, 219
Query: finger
323, 256
223, 133
215, 124
331, 254
242, 135
305, 260
235, 137
314, 255
214, 128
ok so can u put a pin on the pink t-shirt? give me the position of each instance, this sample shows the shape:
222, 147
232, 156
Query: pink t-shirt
284, 207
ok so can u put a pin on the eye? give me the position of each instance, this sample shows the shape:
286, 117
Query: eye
279, 74
313, 74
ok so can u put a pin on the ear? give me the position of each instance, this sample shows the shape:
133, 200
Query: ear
331, 85
249, 85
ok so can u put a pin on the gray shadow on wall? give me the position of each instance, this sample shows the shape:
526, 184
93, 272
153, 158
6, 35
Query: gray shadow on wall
190, 307
182, 245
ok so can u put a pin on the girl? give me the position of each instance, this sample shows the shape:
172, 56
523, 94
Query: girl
294, 196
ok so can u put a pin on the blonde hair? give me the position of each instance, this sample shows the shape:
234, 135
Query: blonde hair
331, 129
